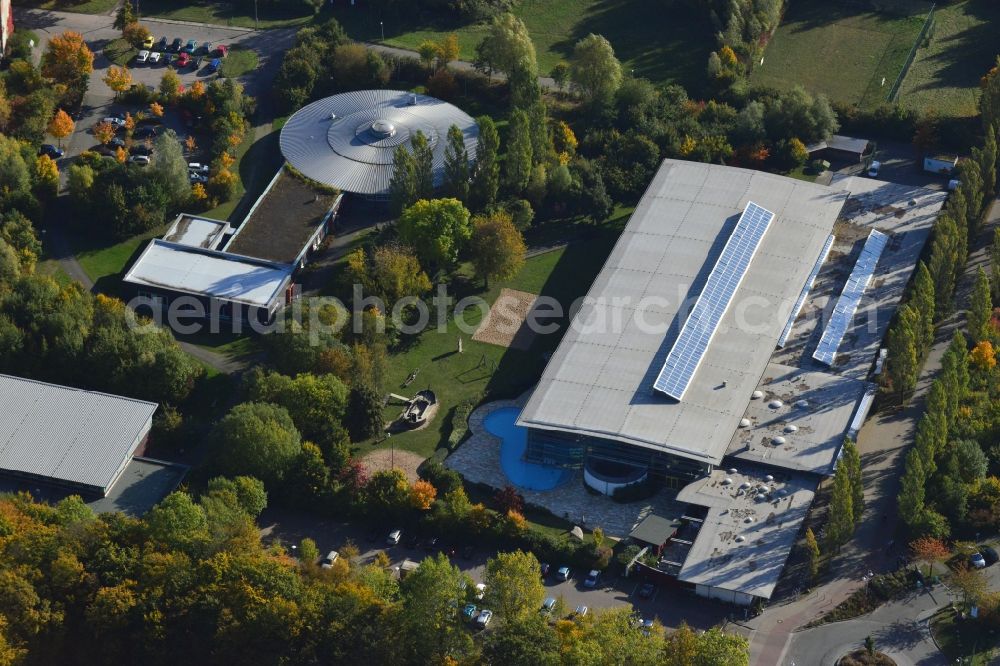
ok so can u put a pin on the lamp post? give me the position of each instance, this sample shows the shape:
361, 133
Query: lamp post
256, 26
381, 27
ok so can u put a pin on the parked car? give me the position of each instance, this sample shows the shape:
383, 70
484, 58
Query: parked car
148, 42
116, 121
592, 578
161, 45
484, 618
469, 611
142, 58
145, 133
873, 169
563, 573
548, 605
169, 58
197, 178
154, 58
183, 60
116, 142
141, 160
480, 591
190, 47
331, 557
198, 167
581, 611
175, 45
214, 65
646, 591
221, 51
545, 569
51, 151
394, 537
977, 561
989, 554
206, 48
141, 149
647, 626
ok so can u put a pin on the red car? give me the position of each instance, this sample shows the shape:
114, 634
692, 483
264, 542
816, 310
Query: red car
184, 59
221, 51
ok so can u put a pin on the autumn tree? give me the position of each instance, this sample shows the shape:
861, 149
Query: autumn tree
436, 229
170, 85
507, 47
448, 49
929, 550
430, 622
811, 548
422, 495
497, 247
61, 126
68, 60
971, 583
46, 176
851, 457
118, 79
983, 356
125, 16
840, 517
594, 70
104, 132
515, 584
428, 50
157, 111
136, 34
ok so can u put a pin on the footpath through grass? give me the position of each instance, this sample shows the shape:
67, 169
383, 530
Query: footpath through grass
964, 44
841, 50
658, 43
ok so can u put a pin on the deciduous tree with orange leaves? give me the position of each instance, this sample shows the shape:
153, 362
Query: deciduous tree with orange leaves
104, 132
156, 110
61, 125
422, 495
930, 550
118, 79
984, 356
67, 59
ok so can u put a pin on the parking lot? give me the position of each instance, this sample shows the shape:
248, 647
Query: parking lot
99, 102
669, 605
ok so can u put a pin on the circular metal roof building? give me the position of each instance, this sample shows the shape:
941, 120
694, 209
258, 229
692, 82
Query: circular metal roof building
347, 141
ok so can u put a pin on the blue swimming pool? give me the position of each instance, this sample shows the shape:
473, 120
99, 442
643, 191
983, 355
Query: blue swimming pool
514, 440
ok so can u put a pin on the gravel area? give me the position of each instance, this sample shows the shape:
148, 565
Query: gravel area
504, 325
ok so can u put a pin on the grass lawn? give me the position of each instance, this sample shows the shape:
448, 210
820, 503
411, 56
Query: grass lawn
565, 274
105, 263
84, 7
944, 76
239, 14
840, 50
239, 62
660, 45
966, 639
257, 162
120, 52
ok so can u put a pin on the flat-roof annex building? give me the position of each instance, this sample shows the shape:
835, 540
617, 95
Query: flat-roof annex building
725, 349
348, 141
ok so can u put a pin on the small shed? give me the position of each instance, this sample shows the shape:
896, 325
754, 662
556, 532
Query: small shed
655, 531
839, 148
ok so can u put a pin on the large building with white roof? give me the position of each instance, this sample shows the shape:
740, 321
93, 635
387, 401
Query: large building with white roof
725, 350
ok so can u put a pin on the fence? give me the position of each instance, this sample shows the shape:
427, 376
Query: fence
928, 24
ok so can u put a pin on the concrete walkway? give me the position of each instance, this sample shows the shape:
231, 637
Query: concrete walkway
883, 441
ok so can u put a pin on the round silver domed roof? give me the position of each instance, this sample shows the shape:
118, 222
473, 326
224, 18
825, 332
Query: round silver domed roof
363, 129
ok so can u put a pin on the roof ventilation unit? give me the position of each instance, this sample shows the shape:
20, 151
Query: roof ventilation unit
802, 404
791, 427
744, 423
732, 470
756, 395
775, 404
748, 519
727, 481
740, 539
779, 440
769, 478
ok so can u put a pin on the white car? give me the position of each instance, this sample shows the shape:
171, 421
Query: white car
197, 167
197, 178
394, 537
873, 169
115, 121
142, 57
480, 591
154, 58
977, 561
331, 557
581, 611
484, 618
141, 160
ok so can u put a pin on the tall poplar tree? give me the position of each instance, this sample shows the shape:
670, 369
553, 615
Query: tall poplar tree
486, 175
456, 166
980, 308
517, 165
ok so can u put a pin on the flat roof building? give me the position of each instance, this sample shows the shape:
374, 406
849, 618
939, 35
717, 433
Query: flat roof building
63, 436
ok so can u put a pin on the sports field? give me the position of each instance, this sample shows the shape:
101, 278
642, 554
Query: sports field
658, 44
964, 45
842, 50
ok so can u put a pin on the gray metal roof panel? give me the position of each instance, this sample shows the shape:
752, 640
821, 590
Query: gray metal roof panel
67, 434
336, 141
675, 241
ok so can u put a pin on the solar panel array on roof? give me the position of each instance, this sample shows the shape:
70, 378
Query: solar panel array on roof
824, 253
850, 298
701, 324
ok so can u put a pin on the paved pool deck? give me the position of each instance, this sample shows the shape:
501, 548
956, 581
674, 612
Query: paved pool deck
478, 461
